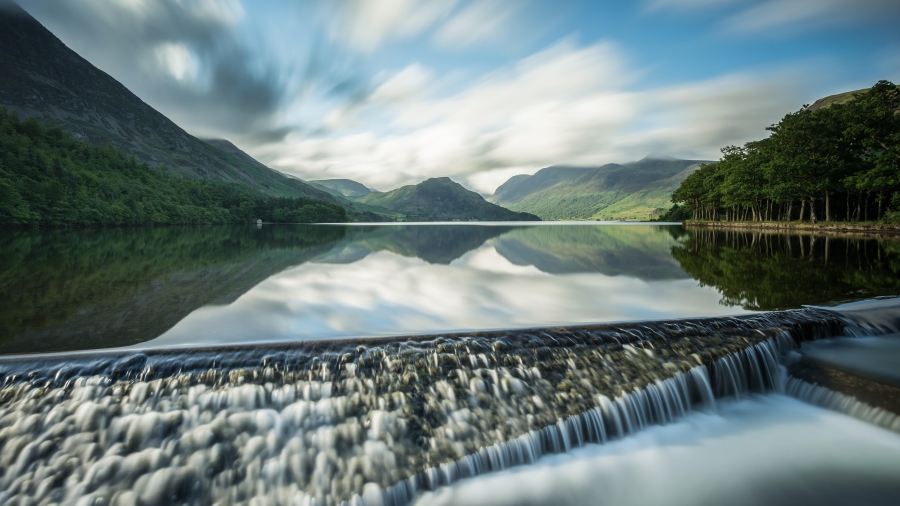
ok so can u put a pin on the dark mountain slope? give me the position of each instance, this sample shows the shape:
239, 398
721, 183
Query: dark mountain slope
440, 199
41, 77
519, 187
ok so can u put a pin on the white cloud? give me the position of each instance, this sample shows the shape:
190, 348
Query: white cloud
488, 181
367, 24
178, 60
477, 22
564, 105
405, 85
804, 14
688, 4
763, 15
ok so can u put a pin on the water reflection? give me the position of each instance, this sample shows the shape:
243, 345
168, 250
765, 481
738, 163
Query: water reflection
87, 289
762, 272
637, 251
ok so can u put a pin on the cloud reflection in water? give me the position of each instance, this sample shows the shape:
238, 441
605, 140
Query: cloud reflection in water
384, 293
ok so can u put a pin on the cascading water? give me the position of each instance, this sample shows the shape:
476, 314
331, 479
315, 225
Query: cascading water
370, 422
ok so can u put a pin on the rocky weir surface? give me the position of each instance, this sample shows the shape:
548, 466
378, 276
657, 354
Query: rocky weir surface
363, 422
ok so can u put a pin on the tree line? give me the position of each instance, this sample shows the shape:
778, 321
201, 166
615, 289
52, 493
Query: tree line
47, 178
838, 163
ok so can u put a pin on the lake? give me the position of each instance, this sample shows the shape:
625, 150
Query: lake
186, 286
488, 363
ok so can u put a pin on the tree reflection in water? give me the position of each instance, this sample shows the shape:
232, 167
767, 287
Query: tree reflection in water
769, 271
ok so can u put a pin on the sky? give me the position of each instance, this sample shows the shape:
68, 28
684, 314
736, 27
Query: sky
392, 92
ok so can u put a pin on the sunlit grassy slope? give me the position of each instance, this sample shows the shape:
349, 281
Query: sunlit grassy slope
637, 190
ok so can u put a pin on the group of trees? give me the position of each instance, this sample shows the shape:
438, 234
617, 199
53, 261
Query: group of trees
840, 162
49, 179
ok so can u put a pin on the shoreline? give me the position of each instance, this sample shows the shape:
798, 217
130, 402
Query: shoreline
867, 229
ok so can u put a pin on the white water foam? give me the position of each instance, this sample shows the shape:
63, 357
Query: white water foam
835, 401
761, 450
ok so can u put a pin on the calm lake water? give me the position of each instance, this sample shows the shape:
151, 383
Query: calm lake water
184, 286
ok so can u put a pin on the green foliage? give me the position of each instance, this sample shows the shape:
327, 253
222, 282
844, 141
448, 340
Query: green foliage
49, 179
838, 162
676, 213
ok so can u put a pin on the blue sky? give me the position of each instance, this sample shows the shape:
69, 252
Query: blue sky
391, 92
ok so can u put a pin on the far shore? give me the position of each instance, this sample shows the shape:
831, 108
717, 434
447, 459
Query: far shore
869, 229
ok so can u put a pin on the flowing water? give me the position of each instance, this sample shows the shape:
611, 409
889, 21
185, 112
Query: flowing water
244, 366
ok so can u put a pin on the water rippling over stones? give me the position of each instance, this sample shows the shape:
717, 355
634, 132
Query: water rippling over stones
362, 422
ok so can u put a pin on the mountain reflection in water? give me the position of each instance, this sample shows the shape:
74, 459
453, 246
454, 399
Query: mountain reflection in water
89, 289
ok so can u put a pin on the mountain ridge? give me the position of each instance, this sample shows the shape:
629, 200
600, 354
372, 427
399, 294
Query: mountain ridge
634, 190
442, 199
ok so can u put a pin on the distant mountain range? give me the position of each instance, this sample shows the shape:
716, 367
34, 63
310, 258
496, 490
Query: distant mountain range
636, 190
441, 199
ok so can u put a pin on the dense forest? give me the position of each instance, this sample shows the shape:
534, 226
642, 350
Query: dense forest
838, 163
49, 179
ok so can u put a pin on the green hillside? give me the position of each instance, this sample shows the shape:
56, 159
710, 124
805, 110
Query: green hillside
42, 78
440, 199
840, 98
49, 179
636, 190
651, 201
343, 187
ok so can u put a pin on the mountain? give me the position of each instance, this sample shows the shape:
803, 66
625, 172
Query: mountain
344, 187
42, 78
440, 199
840, 98
635, 190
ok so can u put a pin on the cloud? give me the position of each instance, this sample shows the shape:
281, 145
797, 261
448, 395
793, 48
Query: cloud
185, 57
754, 16
405, 85
688, 4
477, 22
564, 105
365, 25
805, 14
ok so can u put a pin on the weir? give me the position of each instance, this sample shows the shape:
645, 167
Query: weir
366, 421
